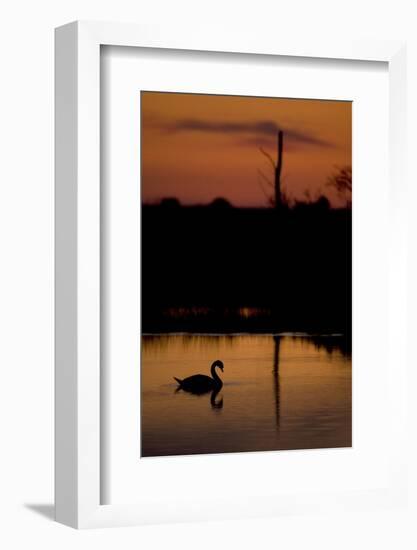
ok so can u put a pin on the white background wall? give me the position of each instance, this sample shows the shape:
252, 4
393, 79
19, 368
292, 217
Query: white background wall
26, 270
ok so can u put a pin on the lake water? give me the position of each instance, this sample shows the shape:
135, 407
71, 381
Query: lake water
279, 392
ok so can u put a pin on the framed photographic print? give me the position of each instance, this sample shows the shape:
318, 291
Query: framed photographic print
245, 278
227, 220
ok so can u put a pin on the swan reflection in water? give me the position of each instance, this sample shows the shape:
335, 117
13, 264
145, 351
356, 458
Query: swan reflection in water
200, 384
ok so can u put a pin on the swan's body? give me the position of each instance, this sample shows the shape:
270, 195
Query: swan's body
201, 383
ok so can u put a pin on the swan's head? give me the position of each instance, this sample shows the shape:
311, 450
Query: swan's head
219, 364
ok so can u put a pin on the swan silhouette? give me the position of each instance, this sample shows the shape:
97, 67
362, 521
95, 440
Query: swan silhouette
201, 383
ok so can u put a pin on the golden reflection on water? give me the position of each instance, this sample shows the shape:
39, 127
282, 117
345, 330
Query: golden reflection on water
279, 392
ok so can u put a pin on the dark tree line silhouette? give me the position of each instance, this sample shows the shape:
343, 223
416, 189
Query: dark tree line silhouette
201, 265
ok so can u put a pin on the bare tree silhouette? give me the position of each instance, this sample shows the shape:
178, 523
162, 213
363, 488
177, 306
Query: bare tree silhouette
341, 180
278, 198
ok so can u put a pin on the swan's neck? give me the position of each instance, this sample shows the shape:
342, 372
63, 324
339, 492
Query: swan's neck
214, 374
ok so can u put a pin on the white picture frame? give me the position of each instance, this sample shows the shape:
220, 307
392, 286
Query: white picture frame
78, 298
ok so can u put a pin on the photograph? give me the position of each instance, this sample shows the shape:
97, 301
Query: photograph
245, 273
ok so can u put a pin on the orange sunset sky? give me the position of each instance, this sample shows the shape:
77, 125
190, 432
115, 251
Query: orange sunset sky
200, 147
